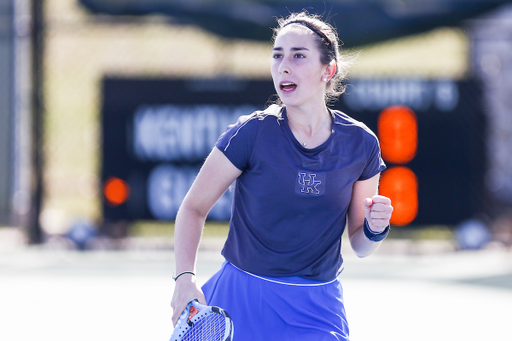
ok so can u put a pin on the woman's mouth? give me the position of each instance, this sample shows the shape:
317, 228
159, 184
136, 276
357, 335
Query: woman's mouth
287, 86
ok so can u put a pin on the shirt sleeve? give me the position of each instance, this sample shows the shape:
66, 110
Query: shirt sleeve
237, 142
375, 164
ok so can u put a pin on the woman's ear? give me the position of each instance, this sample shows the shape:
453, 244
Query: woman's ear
330, 71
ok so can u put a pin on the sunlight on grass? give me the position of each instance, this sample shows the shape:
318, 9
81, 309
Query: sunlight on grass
166, 229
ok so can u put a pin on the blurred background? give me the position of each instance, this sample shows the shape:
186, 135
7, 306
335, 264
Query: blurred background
109, 107
99, 98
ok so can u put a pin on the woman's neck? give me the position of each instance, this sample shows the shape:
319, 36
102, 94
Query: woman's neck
311, 127
309, 119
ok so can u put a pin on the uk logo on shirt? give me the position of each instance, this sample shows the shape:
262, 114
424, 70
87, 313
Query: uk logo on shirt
310, 183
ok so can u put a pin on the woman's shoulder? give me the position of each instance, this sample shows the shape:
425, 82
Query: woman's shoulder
245, 131
271, 114
343, 121
250, 125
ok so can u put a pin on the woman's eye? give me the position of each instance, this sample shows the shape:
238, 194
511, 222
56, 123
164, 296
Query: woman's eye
276, 56
299, 56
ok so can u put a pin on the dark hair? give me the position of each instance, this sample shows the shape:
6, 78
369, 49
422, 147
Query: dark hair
328, 45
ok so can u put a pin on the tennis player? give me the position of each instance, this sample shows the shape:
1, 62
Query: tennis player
304, 173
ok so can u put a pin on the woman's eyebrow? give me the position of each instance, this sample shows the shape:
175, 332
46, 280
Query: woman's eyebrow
293, 49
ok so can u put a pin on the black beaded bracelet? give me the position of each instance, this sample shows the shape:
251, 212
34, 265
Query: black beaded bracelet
182, 273
374, 237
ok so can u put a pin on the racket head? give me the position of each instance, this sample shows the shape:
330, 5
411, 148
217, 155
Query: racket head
205, 323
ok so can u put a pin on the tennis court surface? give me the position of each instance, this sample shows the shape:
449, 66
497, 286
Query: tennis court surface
124, 295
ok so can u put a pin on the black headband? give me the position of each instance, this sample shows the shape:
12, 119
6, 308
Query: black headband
317, 32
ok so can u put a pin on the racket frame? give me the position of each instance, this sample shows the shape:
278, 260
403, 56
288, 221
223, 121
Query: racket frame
187, 320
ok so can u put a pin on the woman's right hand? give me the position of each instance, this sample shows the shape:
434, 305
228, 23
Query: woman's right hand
185, 291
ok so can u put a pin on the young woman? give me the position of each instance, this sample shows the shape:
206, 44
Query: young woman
303, 173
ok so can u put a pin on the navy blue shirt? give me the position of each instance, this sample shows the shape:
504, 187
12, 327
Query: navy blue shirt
290, 203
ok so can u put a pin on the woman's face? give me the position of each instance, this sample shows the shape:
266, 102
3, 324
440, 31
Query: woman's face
296, 68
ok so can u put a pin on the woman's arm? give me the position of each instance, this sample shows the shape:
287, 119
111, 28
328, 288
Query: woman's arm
214, 178
377, 209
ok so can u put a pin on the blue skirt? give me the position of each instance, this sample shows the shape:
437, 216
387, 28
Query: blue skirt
278, 308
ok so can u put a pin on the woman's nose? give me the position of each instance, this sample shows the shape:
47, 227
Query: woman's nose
284, 68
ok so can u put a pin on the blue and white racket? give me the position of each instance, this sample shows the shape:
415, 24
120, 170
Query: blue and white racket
203, 323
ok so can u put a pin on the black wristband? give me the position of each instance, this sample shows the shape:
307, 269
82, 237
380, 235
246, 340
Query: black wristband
374, 237
182, 273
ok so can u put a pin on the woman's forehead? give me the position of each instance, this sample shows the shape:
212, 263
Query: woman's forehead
295, 33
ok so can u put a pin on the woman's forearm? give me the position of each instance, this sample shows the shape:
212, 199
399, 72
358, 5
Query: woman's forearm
188, 229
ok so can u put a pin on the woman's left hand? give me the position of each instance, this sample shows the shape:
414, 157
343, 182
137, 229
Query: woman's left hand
377, 210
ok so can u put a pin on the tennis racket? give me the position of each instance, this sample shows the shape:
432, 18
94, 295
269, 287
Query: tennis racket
203, 323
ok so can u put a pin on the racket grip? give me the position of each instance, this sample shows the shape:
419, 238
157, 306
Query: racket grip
184, 315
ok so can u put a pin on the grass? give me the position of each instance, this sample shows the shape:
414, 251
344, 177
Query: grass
429, 232
166, 229
220, 229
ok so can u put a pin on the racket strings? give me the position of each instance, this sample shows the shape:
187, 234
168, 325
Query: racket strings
210, 328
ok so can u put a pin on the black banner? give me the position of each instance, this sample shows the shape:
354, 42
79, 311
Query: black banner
156, 134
